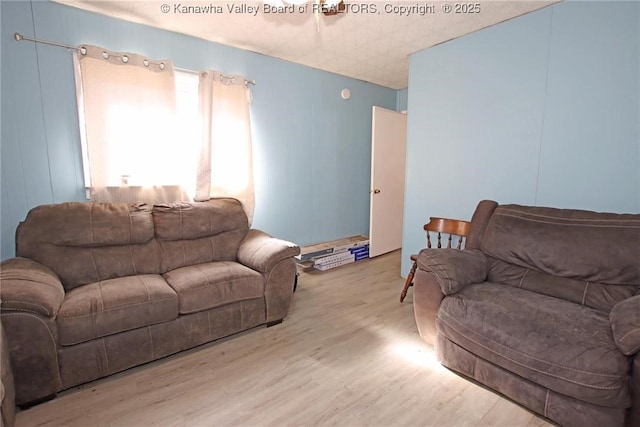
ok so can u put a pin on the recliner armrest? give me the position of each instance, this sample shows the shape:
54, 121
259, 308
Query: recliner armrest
454, 269
29, 286
625, 325
261, 252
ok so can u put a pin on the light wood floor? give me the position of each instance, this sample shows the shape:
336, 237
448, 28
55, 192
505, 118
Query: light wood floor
348, 354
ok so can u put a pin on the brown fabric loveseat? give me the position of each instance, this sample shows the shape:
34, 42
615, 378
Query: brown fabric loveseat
99, 288
542, 306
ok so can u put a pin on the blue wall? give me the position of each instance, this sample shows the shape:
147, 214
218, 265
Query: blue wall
311, 148
540, 110
403, 96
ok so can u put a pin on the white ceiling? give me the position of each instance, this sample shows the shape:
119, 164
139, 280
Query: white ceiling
373, 46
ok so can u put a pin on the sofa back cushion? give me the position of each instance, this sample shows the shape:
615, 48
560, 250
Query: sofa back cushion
600, 296
585, 257
88, 242
199, 232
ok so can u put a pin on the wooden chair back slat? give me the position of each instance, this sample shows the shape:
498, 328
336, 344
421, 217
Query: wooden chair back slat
440, 226
451, 227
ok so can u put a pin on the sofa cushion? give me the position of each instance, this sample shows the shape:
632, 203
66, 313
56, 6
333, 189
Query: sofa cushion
88, 224
560, 345
539, 238
591, 294
186, 221
113, 306
204, 286
89, 242
199, 232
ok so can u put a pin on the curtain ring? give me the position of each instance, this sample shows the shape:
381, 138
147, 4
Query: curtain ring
125, 58
105, 55
83, 50
162, 65
145, 62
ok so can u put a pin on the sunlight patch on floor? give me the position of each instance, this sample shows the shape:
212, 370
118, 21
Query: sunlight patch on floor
417, 354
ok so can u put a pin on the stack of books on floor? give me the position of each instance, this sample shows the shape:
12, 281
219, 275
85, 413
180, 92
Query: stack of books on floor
328, 255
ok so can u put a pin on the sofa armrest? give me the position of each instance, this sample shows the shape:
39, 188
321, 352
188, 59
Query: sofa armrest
262, 252
454, 269
625, 325
427, 297
7, 387
28, 286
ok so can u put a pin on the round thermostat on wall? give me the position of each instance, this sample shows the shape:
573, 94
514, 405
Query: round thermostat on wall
346, 93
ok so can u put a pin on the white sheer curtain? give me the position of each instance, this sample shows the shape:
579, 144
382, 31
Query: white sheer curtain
225, 167
127, 111
151, 134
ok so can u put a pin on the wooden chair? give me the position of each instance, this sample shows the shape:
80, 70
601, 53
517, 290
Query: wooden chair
451, 227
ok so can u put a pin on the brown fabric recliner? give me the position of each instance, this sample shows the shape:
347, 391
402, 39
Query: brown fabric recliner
7, 391
99, 288
542, 306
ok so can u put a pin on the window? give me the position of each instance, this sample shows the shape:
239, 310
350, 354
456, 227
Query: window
154, 134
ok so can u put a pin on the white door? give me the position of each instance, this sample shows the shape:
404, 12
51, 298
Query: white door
388, 150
